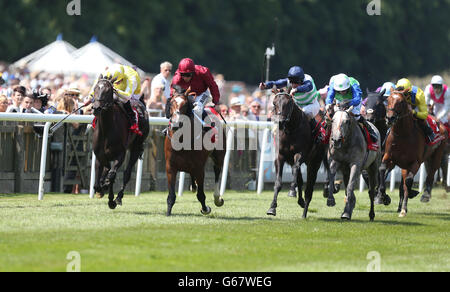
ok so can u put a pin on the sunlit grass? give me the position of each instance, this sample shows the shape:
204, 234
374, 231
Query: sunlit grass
38, 235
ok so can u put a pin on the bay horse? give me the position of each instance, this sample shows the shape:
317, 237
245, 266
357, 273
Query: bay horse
189, 151
406, 147
348, 151
295, 146
112, 138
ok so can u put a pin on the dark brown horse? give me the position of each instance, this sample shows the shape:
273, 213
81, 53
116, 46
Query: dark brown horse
112, 138
406, 147
187, 148
295, 146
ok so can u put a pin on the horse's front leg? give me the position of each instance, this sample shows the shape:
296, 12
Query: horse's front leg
134, 156
355, 172
279, 164
382, 197
171, 181
331, 202
408, 180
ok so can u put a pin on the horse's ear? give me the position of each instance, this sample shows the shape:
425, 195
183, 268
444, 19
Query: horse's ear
114, 80
367, 90
275, 91
188, 91
100, 77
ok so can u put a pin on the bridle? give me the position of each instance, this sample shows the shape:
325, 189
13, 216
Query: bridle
397, 114
102, 103
291, 103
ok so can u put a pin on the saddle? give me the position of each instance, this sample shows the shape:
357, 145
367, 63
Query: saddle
371, 146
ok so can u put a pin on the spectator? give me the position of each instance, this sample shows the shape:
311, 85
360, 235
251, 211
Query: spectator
40, 101
19, 93
3, 103
235, 110
26, 105
157, 99
146, 89
255, 110
163, 78
74, 94
224, 111
244, 111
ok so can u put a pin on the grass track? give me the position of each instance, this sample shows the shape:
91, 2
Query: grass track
37, 236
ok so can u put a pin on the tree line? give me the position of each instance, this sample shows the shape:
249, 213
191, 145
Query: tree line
325, 37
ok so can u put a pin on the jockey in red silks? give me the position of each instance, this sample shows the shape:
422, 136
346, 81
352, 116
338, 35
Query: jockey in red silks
199, 79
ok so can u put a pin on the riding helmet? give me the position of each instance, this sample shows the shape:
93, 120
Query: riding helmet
405, 84
296, 73
341, 82
186, 65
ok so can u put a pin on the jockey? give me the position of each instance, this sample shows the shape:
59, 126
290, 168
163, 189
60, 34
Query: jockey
346, 89
437, 96
127, 86
303, 90
199, 79
416, 98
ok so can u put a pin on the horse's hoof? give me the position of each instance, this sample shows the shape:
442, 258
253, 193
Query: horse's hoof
326, 193
337, 188
387, 200
292, 194
425, 198
412, 194
272, 212
402, 214
378, 201
99, 195
193, 188
301, 202
219, 201
331, 202
207, 211
118, 201
112, 205
346, 216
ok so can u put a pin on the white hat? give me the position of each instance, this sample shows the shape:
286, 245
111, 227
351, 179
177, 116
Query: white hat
437, 80
235, 101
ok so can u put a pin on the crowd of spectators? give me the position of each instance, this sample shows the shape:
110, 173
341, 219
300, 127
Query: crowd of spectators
32, 92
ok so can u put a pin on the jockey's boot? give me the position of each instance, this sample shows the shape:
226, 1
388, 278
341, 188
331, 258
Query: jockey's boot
369, 128
423, 124
132, 116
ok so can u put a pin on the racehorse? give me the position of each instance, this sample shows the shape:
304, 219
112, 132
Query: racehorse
189, 159
349, 152
406, 147
376, 113
295, 146
112, 138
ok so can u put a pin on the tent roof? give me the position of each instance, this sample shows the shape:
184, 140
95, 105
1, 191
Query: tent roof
53, 58
93, 58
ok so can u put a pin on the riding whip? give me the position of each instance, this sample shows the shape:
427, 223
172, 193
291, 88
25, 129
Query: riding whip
60, 122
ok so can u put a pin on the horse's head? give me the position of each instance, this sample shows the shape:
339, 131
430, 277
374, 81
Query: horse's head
103, 95
398, 105
283, 108
341, 127
375, 108
181, 104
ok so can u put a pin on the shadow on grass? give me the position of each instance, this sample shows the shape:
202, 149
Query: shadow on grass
384, 222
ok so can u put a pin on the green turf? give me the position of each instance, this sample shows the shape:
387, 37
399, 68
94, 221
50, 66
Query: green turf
37, 236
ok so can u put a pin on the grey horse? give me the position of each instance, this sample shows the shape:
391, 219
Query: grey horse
348, 152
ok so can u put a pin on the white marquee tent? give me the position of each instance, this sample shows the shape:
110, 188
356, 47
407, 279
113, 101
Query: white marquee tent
62, 57
93, 58
53, 58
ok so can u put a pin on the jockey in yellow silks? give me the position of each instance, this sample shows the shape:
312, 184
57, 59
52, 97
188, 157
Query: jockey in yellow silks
416, 98
127, 86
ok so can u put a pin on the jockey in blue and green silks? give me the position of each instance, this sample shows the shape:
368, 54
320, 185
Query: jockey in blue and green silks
347, 89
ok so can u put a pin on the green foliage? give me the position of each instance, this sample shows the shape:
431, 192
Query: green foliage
230, 37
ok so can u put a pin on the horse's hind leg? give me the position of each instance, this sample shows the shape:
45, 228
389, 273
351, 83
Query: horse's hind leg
127, 175
313, 168
218, 157
200, 178
295, 174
